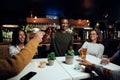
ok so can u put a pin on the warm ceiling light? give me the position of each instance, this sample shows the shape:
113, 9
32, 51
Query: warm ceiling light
14, 26
35, 17
87, 20
97, 24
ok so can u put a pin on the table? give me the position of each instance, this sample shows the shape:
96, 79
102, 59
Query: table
55, 72
77, 75
95, 60
60, 70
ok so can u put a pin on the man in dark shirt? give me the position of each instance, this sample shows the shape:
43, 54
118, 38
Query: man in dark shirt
61, 40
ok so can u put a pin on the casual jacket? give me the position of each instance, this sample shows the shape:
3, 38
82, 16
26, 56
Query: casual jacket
12, 66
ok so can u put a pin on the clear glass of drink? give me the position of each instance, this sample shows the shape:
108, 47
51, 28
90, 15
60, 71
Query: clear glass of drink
104, 60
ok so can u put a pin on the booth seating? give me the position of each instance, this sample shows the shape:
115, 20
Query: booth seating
4, 53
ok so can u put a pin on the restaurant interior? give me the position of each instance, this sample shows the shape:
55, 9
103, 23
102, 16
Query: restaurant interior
83, 15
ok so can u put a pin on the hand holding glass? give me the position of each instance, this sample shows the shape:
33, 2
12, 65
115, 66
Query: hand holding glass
104, 60
83, 53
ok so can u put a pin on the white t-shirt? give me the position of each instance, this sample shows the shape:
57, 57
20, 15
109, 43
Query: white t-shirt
13, 50
95, 49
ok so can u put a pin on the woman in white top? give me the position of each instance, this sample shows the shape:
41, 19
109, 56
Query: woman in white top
18, 41
94, 47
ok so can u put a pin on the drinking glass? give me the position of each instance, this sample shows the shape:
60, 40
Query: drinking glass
83, 53
104, 60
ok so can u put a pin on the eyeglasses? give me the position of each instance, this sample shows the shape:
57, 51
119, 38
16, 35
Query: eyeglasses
93, 34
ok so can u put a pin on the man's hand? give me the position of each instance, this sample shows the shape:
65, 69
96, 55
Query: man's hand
86, 63
106, 61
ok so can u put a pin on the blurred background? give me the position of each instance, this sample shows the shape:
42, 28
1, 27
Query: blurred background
83, 16
16, 11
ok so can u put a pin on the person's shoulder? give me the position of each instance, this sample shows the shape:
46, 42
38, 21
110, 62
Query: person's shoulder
11, 46
86, 42
101, 45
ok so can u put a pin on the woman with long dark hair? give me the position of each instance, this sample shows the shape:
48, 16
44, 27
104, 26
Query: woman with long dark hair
18, 41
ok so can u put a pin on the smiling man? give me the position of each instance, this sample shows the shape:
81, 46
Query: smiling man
61, 40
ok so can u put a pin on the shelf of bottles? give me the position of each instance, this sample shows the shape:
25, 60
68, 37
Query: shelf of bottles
40, 23
43, 23
7, 31
77, 26
110, 32
41, 26
7, 35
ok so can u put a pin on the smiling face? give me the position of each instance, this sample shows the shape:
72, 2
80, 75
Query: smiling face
21, 36
64, 24
93, 36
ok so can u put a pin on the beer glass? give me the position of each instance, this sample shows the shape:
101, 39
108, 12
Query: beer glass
83, 53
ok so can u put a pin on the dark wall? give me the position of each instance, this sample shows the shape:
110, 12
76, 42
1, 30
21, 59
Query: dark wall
111, 46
